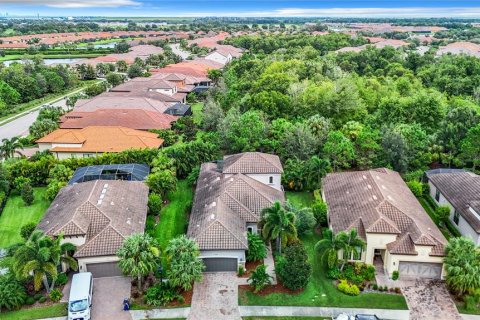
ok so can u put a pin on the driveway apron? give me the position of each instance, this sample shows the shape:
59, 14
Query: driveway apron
108, 295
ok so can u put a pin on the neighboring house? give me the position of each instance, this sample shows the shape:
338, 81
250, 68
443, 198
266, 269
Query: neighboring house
129, 172
129, 118
179, 110
398, 233
377, 44
97, 217
463, 47
91, 141
121, 102
229, 198
223, 54
460, 190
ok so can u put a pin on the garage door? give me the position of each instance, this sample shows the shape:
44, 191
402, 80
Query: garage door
105, 269
220, 264
420, 270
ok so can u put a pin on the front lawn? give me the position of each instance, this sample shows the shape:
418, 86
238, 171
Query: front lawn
16, 214
300, 199
197, 110
56, 310
320, 292
174, 216
461, 308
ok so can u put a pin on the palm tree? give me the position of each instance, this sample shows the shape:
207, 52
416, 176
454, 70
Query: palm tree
278, 224
9, 147
329, 246
317, 169
351, 243
61, 254
138, 256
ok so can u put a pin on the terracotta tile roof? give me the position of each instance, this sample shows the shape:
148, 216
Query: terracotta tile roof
99, 139
129, 118
462, 189
252, 162
383, 203
463, 47
119, 101
78, 211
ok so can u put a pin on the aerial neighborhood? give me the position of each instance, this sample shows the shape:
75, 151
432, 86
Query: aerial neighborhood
239, 168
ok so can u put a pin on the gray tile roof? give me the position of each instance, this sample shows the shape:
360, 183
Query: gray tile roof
379, 201
104, 211
462, 190
223, 205
252, 162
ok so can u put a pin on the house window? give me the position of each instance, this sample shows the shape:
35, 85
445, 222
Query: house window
437, 195
250, 230
456, 217
270, 180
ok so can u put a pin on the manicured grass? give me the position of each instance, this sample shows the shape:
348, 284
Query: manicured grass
174, 216
197, 110
56, 310
450, 230
321, 292
285, 318
461, 308
300, 199
16, 214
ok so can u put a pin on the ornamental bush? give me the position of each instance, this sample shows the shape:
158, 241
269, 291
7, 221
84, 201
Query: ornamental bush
27, 194
416, 187
154, 204
395, 275
295, 270
257, 250
347, 288
56, 295
12, 293
259, 278
162, 294
27, 230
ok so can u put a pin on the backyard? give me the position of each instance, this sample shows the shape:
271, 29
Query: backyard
16, 214
56, 310
197, 110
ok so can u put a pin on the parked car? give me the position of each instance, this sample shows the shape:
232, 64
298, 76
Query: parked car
80, 300
366, 317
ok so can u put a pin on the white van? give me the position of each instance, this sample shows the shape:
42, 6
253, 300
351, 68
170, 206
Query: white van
80, 300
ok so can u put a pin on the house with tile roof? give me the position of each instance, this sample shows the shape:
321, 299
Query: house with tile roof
399, 234
229, 198
223, 54
460, 190
97, 216
461, 47
95, 140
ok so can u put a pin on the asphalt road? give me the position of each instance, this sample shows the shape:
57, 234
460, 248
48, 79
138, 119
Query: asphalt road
179, 52
19, 127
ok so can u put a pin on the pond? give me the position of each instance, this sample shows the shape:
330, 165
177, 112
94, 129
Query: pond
46, 61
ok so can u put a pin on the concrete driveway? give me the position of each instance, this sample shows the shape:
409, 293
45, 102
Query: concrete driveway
429, 300
108, 295
216, 297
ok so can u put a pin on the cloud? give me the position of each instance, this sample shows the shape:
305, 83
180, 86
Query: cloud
75, 3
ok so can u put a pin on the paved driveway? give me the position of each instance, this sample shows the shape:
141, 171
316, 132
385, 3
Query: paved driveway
429, 300
216, 297
108, 298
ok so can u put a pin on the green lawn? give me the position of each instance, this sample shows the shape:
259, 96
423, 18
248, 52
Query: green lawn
300, 199
197, 110
174, 216
56, 310
461, 308
321, 292
16, 214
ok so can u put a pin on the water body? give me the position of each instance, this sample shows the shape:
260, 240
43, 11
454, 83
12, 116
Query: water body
110, 45
47, 61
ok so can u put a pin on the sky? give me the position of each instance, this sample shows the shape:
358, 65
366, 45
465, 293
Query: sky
245, 8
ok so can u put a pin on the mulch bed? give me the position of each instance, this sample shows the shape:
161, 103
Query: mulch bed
278, 288
187, 296
250, 266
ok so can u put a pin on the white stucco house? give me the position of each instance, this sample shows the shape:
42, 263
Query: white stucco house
229, 198
459, 190
399, 234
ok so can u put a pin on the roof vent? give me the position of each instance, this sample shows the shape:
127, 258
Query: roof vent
102, 196
390, 198
99, 202
378, 177
383, 187
129, 221
105, 185
374, 197
212, 216
111, 203
214, 204
364, 177
369, 186
217, 178
348, 192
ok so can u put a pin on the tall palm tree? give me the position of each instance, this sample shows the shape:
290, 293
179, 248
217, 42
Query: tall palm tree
60, 253
278, 224
9, 147
351, 243
329, 246
139, 256
317, 169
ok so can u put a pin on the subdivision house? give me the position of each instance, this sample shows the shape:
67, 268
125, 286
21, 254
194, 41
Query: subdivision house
95, 140
223, 54
229, 198
460, 190
399, 234
97, 216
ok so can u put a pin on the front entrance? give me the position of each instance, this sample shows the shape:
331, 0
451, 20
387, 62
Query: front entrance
220, 264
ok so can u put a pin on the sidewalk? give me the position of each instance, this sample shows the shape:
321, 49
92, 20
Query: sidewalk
160, 313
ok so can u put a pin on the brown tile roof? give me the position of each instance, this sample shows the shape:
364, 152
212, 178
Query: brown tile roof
99, 139
252, 162
222, 207
119, 101
103, 211
462, 190
128, 118
462, 47
146, 94
383, 203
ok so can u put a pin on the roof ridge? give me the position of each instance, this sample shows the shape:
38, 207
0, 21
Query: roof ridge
255, 189
84, 246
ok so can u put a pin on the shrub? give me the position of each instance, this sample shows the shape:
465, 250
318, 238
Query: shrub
443, 214
369, 273
257, 250
55, 295
385, 288
162, 294
334, 273
241, 271
470, 303
61, 280
42, 299
154, 204
29, 301
296, 270
27, 194
347, 288
319, 209
375, 286
398, 290
395, 275
416, 187
12, 293
27, 230
18, 182
305, 221
259, 278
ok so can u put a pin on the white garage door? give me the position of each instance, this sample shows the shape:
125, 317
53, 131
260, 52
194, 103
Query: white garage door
105, 269
420, 270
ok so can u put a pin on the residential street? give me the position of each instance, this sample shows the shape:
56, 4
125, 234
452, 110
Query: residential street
176, 49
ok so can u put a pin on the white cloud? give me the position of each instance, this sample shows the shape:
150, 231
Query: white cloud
75, 3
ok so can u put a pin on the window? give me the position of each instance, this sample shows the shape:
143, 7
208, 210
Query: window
270, 180
250, 230
456, 217
437, 195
